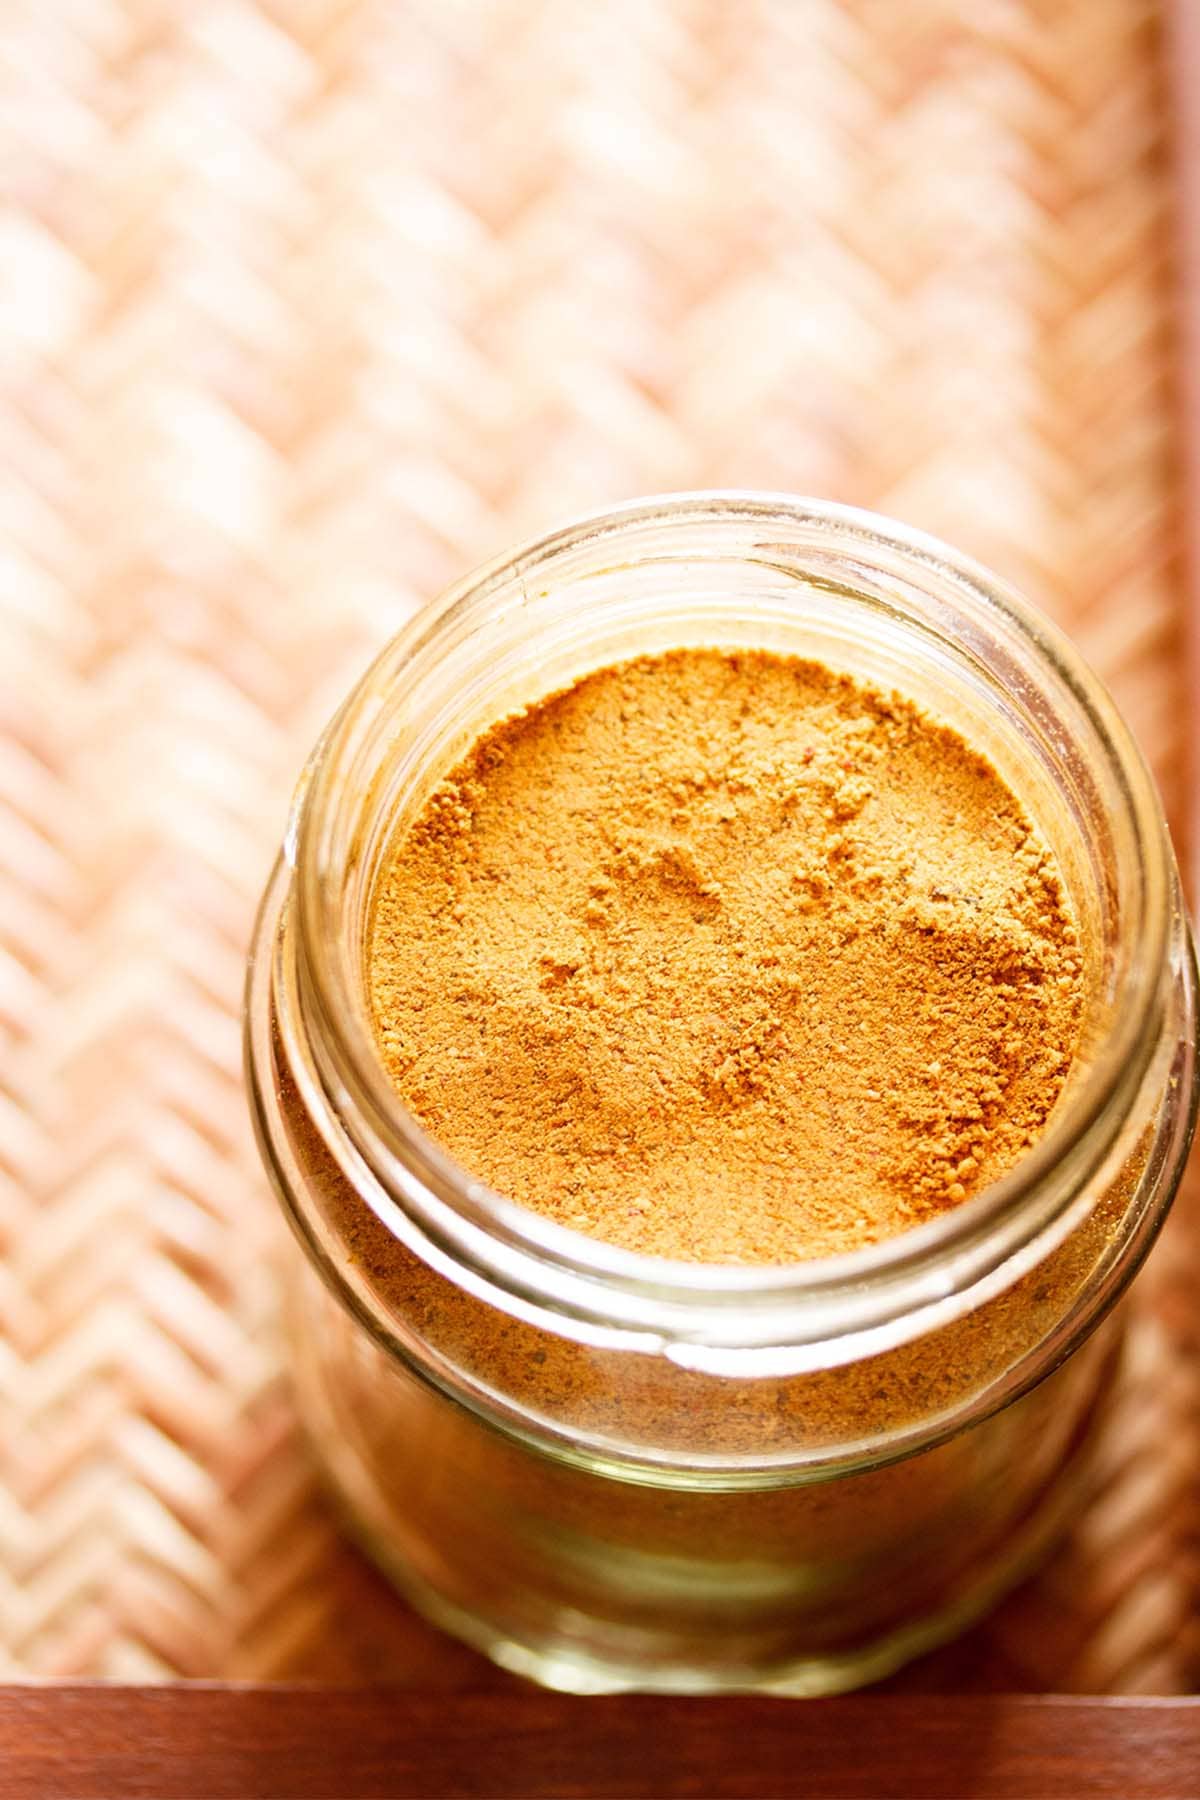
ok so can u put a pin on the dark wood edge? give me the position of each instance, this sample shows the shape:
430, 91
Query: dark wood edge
1183, 64
259, 1743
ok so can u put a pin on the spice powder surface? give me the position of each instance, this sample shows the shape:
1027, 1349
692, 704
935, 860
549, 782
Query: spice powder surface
726, 957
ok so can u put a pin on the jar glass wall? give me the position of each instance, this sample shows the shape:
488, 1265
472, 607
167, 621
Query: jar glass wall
609, 1470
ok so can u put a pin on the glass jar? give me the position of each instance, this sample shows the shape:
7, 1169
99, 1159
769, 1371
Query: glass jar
611, 1471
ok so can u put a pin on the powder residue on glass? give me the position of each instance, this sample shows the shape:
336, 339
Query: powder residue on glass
726, 957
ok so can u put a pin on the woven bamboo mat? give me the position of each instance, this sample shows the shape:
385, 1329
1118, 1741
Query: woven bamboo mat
305, 306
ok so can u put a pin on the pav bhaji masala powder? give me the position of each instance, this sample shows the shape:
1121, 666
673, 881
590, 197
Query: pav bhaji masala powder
723, 957
723, 1030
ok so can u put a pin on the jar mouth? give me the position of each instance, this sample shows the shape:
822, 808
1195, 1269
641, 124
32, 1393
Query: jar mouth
413, 1180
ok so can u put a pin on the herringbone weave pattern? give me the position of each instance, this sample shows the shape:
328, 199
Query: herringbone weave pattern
305, 306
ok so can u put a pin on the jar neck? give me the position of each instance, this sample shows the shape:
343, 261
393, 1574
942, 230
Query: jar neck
780, 573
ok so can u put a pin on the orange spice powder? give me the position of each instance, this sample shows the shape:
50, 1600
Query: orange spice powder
726, 957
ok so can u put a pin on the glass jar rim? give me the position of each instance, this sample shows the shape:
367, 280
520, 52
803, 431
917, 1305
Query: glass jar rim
525, 1252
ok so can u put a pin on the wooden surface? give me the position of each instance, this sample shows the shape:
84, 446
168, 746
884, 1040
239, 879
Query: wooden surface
1182, 43
176, 1743
307, 305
